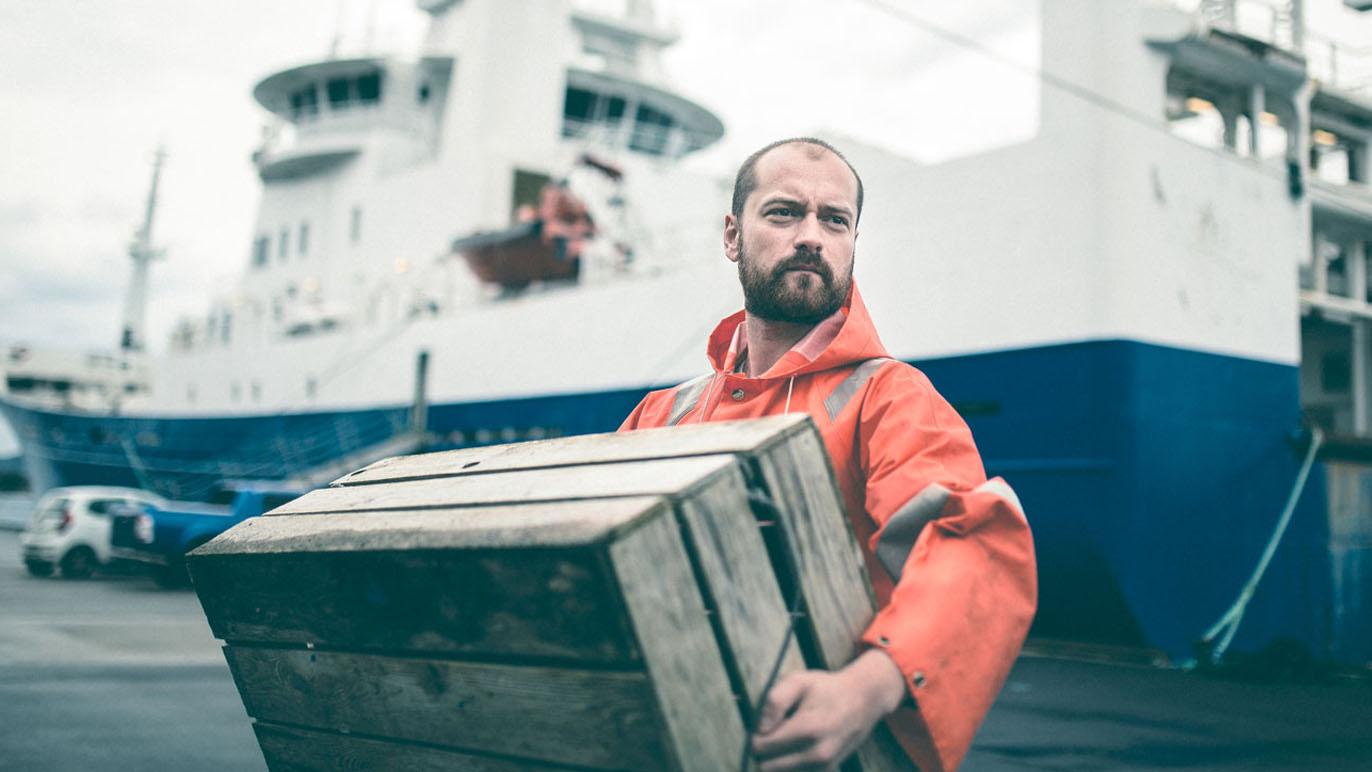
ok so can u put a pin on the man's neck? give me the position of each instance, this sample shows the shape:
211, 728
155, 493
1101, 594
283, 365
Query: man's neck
768, 341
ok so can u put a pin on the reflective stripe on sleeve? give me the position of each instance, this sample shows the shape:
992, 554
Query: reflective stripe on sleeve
1002, 488
903, 529
687, 394
845, 391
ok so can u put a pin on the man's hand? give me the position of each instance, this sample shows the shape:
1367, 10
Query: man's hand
815, 719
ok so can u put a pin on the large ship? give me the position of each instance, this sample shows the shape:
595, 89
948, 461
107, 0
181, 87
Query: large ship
1147, 311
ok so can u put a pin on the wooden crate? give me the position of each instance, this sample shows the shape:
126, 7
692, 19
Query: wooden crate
605, 602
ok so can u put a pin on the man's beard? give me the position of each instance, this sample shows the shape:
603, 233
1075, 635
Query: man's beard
770, 296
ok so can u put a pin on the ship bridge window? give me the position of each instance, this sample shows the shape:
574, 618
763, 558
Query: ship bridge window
304, 102
303, 245
259, 251
583, 109
651, 129
363, 90
283, 245
339, 96
369, 88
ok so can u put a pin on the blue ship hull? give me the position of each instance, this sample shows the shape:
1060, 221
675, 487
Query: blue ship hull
1152, 477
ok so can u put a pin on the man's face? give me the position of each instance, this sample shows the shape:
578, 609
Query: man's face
795, 238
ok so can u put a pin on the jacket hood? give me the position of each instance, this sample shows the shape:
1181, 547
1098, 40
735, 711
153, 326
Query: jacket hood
855, 341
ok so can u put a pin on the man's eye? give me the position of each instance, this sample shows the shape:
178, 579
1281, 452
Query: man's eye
838, 219
781, 211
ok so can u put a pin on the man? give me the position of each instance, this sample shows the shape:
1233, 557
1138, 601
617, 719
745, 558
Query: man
949, 553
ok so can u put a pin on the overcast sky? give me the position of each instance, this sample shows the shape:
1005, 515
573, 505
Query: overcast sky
91, 88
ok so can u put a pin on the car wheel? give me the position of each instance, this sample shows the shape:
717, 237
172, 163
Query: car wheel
38, 567
79, 563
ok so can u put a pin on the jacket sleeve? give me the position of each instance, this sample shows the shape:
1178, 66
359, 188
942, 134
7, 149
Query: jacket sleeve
959, 551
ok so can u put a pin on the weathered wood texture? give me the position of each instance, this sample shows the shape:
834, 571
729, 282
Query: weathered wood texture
732, 437
535, 603
740, 583
292, 749
589, 718
683, 659
606, 602
668, 476
541, 524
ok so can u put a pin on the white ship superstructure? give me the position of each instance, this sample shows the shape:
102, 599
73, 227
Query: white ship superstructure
1138, 309
372, 166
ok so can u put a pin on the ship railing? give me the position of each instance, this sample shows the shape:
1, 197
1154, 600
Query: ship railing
1338, 64
665, 141
357, 118
1275, 22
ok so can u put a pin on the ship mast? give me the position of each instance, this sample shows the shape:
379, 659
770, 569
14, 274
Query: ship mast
142, 252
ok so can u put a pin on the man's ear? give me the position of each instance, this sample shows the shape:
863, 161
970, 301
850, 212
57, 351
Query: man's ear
732, 236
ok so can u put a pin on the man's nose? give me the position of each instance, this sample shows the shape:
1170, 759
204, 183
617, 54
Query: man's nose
808, 235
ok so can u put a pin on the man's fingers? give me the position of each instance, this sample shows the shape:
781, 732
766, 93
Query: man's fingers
782, 699
792, 736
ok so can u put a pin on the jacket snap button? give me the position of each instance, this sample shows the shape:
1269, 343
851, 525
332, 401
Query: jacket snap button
738, 394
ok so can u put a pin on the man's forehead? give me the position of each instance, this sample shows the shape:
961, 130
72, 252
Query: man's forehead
802, 167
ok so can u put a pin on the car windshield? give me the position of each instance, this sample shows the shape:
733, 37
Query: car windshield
49, 508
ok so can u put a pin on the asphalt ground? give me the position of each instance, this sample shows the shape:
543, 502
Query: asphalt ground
115, 674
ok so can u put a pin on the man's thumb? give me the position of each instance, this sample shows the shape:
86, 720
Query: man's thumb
781, 701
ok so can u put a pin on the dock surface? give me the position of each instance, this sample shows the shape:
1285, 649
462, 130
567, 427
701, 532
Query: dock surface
113, 673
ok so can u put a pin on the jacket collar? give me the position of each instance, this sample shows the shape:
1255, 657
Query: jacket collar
844, 338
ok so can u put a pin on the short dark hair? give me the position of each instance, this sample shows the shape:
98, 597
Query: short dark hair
745, 182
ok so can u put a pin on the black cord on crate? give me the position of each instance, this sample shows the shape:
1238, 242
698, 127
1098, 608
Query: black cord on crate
762, 504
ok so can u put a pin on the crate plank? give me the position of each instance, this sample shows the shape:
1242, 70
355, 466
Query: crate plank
635, 478
703, 723
826, 555
536, 602
599, 719
728, 549
674, 442
537, 524
291, 749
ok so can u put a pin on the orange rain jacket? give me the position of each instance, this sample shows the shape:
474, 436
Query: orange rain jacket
949, 553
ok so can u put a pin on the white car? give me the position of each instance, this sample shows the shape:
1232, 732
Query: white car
70, 528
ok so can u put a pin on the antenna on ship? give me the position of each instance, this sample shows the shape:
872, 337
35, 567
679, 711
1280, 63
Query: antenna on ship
142, 252
337, 31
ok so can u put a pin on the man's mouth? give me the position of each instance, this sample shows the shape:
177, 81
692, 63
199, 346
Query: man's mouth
814, 269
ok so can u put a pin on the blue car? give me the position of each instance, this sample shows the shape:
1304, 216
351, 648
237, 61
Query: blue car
160, 536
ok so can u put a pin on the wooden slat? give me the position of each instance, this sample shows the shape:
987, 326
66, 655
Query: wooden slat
703, 725
544, 524
691, 440
291, 749
587, 718
829, 568
490, 603
832, 577
735, 569
638, 478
